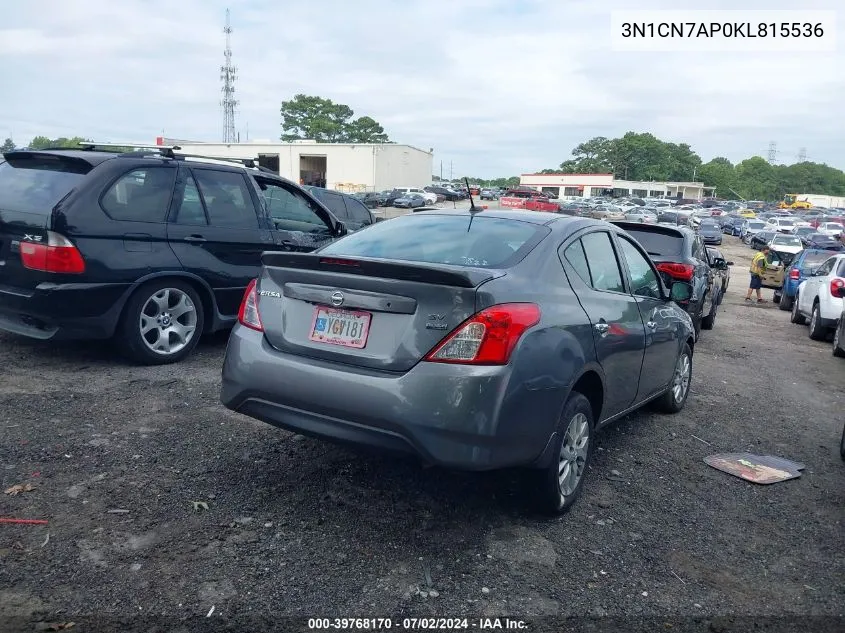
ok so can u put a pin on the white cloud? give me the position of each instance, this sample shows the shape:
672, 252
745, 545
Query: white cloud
497, 87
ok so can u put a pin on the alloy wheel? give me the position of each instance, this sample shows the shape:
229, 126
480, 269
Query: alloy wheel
168, 321
681, 380
574, 450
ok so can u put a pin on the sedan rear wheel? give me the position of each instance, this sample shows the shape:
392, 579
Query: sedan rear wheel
561, 482
675, 397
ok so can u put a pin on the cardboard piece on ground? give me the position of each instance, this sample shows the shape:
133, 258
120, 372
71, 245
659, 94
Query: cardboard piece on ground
758, 469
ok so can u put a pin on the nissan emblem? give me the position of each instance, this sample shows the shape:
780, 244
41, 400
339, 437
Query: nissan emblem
337, 298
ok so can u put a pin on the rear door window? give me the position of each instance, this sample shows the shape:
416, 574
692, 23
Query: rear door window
483, 242
577, 258
34, 183
227, 198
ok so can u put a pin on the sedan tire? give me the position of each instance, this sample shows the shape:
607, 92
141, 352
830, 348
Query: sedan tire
842, 444
560, 484
162, 323
675, 397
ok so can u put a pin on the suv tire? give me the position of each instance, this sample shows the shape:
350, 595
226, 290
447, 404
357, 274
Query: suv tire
675, 397
817, 330
167, 312
839, 339
556, 492
797, 318
709, 321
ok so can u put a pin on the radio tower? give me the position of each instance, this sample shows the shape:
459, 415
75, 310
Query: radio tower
802, 155
228, 74
773, 152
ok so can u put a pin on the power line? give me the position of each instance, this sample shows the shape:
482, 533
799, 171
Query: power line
228, 74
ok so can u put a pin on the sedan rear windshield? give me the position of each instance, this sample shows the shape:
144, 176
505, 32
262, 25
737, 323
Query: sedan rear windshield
756, 225
786, 240
458, 240
659, 244
36, 182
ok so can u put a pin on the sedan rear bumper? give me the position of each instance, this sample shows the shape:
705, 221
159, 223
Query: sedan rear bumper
455, 416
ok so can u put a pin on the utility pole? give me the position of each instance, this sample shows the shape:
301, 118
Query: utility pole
802, 155
451, 174
228, 74
441, 170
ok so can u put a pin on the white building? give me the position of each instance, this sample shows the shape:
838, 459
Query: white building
588, 185
345, 167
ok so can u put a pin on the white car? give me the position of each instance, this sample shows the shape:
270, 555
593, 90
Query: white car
834, 229
786, 244
781, 225
818, 298
430, 198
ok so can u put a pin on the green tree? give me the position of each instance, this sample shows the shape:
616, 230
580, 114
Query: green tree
42, 142
7, 146
324, 121
719, 173
757, 179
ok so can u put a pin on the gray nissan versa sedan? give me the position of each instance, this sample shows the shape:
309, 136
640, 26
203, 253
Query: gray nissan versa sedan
473, 339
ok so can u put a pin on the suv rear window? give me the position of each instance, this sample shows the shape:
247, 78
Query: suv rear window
814, 260
481, 242
659, 244
36, 182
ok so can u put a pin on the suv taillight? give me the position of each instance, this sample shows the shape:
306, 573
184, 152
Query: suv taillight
683, 272
836, 283
248, 312
57, 255
488, 337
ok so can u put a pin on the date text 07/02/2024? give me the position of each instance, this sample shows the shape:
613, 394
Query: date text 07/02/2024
417, 624
785, 30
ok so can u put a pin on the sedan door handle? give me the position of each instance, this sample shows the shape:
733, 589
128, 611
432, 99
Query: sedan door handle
194, 238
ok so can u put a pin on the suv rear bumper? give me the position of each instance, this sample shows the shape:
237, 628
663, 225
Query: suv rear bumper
455, 416
62, 311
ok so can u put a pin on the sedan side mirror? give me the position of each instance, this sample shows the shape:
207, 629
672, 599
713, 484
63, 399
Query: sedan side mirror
680, 292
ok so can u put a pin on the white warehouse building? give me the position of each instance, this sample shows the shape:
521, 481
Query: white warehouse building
348, 167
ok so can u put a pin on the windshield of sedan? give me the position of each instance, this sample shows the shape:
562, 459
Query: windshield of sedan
458, 240
756, 225
786, 240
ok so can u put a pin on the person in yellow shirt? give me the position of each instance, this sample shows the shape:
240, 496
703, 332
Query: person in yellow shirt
758, 267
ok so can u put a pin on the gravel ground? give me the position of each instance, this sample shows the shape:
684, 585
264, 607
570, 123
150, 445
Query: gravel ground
119, 456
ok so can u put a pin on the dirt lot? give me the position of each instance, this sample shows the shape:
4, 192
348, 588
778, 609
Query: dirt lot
118, 455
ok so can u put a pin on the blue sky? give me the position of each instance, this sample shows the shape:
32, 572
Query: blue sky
496, 87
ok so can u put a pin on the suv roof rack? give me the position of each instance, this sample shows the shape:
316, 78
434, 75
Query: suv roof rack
172, 151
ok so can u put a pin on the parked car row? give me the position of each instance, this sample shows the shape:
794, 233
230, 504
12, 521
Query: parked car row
422, 328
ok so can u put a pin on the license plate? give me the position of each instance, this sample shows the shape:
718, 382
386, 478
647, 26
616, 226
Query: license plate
348, 328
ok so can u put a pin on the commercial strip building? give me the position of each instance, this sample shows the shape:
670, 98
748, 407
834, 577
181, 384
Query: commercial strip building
344, 167
575, 186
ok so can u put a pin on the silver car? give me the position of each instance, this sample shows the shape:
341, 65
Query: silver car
474, 340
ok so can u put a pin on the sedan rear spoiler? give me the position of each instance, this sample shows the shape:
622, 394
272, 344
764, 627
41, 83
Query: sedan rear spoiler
438, 274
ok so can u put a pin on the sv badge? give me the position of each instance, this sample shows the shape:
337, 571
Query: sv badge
436, 322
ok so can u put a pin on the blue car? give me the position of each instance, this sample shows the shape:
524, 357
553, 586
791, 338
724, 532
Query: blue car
802, 267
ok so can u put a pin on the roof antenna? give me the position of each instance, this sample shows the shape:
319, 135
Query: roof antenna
472, 208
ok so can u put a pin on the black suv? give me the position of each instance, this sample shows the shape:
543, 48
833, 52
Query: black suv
348, 209
153, 249
680, 255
